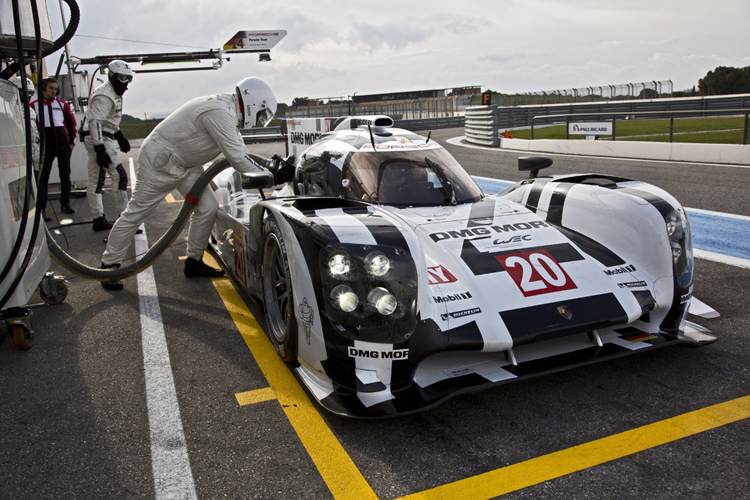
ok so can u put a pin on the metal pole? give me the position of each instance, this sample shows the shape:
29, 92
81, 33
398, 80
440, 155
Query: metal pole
614, 119
671, 127
71, 73
744, 131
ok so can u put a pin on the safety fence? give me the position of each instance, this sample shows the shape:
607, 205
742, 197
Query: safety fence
477, 120
611, 119
515, 117
271, 134
405, 109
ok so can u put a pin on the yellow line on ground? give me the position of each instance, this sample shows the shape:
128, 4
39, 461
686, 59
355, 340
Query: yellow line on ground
257, 396
335, 466
171, 199
554, 465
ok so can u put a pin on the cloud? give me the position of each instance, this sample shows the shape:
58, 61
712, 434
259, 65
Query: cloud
384, 36
334, 47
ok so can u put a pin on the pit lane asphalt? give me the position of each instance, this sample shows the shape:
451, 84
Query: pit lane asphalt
75, 421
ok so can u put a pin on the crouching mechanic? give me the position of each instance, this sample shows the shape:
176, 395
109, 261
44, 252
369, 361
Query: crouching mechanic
172, 157
99, 132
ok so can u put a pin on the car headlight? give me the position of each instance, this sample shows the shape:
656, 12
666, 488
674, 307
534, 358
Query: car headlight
370, 291
377, 264
678, 232
339, 264
382, 301
675, 231
344, 299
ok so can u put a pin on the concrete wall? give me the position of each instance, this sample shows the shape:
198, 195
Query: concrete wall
735, 154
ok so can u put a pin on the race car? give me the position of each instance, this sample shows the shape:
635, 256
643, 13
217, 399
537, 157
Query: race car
391, 282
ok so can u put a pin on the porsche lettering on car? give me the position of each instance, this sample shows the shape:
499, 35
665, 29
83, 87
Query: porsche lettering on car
391, 282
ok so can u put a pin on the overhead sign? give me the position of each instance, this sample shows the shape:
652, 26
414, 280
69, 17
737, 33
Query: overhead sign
302, 132
591, 128
254, 41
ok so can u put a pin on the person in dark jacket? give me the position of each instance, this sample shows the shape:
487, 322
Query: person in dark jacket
57, 129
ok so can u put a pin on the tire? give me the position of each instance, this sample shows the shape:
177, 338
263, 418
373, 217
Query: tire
23, 338
61, 293
277, 293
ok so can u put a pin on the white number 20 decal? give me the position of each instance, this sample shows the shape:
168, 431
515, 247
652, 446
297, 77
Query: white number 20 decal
536, 272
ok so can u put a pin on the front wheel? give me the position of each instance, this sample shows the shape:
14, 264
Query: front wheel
277, 293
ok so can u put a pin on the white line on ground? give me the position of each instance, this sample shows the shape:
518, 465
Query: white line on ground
173, 477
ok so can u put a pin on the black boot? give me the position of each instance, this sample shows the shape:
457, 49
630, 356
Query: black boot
112, 284
198, 269
101, 224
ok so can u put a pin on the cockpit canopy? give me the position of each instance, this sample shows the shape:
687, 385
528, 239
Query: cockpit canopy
425, 176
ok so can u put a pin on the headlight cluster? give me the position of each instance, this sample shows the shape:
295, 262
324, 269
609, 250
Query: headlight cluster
370, 291
678, 231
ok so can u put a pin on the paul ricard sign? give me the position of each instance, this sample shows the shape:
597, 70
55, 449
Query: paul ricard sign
590, 128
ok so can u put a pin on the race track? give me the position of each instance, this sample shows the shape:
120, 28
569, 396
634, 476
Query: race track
169, 388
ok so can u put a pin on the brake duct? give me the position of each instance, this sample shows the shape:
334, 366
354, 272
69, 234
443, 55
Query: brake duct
158, 248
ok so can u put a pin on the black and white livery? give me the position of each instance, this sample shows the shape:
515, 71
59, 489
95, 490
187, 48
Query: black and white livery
391, 281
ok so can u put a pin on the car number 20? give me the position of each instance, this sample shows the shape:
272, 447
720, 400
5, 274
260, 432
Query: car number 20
536, 272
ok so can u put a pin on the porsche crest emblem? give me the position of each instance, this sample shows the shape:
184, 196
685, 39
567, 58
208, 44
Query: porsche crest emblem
565, 312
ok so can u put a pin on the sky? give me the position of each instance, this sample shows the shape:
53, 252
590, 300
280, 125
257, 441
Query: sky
336, 48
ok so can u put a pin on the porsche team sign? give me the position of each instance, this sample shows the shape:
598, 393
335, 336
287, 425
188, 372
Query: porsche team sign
253, 41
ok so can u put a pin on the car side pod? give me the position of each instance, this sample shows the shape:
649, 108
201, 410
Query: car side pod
533, 164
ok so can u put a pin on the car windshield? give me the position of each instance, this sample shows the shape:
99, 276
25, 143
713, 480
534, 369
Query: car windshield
421, 177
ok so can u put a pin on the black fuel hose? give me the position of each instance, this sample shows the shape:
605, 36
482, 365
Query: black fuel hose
158, 248
70, 30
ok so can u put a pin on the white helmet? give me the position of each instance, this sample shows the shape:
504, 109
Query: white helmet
256, 101
29, 84
120, 75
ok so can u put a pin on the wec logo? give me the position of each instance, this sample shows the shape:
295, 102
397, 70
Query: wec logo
514, 241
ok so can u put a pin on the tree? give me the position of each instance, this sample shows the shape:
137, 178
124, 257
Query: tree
725, 80
300, 101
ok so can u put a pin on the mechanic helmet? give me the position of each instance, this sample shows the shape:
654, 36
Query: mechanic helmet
120, 75
257, 102
29, 84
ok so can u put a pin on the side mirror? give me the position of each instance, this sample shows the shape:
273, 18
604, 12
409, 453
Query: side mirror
533, 164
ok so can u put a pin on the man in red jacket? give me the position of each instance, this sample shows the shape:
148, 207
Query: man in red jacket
57, 129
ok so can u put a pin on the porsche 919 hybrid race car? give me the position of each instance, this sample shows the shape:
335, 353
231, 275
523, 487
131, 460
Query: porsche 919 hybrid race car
391, 281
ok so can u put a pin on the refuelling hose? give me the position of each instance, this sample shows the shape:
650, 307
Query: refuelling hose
158, 248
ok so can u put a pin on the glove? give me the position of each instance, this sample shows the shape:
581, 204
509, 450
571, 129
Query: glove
122, 141
102, 158
284, 169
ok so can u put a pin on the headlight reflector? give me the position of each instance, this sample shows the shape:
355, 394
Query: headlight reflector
382, 301
344, 299
377, 264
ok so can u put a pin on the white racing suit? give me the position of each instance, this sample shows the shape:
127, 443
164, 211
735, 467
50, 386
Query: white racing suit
172, 157
102, 122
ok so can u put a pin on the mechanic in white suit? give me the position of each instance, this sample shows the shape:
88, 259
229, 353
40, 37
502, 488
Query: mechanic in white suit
172, 157
99, 132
